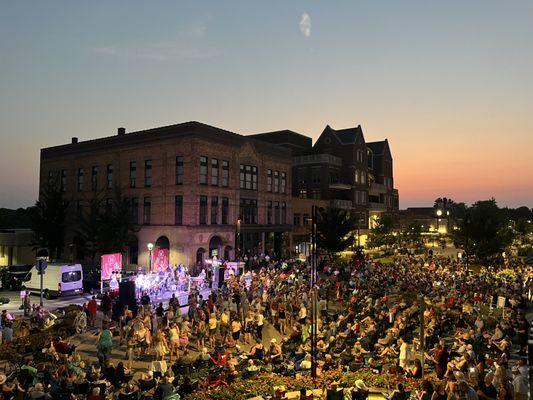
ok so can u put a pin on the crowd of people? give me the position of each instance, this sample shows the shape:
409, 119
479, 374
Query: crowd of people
473, 344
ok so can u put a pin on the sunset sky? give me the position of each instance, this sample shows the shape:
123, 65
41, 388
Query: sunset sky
449, 83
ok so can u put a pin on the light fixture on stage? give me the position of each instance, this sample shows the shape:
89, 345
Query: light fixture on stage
150, 248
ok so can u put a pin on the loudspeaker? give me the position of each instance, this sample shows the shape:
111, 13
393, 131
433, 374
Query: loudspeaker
126, 296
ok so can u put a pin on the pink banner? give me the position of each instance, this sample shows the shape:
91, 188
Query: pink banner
159, 260
110, 263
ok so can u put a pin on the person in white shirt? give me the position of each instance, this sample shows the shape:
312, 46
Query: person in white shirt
404, 353
520, 385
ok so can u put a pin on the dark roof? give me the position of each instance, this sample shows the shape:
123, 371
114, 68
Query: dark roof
377, 147
348, 135
147, 136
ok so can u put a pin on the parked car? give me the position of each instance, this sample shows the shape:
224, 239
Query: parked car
14, 276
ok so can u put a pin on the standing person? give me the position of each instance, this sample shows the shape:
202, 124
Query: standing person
104, 344
236, 329
213, 324
107, 305
404, 353
259, 320
92, 308
145, 302
27, 304
249, 326
520, 385
441, 360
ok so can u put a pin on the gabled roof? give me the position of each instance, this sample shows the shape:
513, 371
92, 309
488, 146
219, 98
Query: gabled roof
378, 147
348, 135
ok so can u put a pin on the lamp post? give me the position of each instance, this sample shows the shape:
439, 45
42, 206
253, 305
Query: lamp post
150, 248
238, 244
314, 260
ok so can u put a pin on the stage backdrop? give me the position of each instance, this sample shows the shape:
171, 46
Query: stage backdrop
110, 263
159, 260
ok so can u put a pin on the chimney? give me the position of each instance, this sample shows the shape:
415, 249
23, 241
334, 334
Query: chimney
74, 140
121, 131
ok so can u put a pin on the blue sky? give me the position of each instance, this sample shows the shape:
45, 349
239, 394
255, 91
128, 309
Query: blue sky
449, 83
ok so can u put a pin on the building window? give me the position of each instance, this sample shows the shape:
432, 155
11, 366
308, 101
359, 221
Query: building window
315, 176
52, 177
276, 212
148, 173
202, 217
109, 176
94, 179
79, 208
363, 179
283, 186
283, 213
203, 170
269, 180
214, 172
296, 220
178, 210
134, 211
214, 210
248, 211
269, 212
224, 178
63, 180
225, 210
276, 181
133, 174
369, 160
302, 193
356, 178
179, 170
81, 174
147, 210
315, 193
305, 219
248, 177
108, 205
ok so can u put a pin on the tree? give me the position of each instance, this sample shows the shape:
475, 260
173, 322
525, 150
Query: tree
412, 234
48, 219
382, 234
106, 228
89, 227
483, 230
334, 230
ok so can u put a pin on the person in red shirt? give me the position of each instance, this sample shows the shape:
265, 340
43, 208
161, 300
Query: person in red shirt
92, 307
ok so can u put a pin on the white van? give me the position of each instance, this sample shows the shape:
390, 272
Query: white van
58, 280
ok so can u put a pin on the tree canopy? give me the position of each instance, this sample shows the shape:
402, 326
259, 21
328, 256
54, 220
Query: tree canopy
483, 229
335, 230
49, 219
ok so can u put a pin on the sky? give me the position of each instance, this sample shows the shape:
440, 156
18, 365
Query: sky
449, 83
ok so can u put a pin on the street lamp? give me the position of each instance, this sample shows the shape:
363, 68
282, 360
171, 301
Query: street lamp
238, 244
439, 214
150, 248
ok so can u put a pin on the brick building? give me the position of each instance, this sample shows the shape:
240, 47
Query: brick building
194, 189
342, 170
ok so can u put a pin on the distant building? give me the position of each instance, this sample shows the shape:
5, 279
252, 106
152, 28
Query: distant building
16, 247
191, 188
341, 170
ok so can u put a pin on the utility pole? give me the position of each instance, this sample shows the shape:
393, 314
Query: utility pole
314, 260
421, 309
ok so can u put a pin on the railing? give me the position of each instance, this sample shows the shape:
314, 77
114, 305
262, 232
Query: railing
317, 158
341, 204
